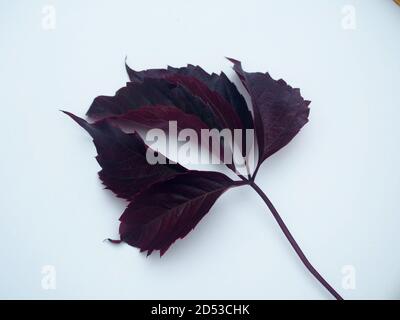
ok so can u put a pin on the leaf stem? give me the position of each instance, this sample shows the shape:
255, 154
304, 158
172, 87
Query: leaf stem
293, 242
253, 176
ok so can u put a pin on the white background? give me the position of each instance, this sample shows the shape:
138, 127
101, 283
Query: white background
336, 185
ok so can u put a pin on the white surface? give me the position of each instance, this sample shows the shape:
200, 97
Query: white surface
336, 185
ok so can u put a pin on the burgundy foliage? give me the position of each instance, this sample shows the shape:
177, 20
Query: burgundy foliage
279, 110
122, 157
170, 209
166, 201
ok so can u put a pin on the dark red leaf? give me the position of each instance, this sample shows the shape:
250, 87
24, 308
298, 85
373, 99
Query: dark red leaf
169, 210
228, 105
122, 156
219, 84
219, 92
195, 112
279, 110
152, 92
166, 200
224, 87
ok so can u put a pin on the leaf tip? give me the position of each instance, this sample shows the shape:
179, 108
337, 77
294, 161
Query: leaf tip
83, 123
234, 61
112, 241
